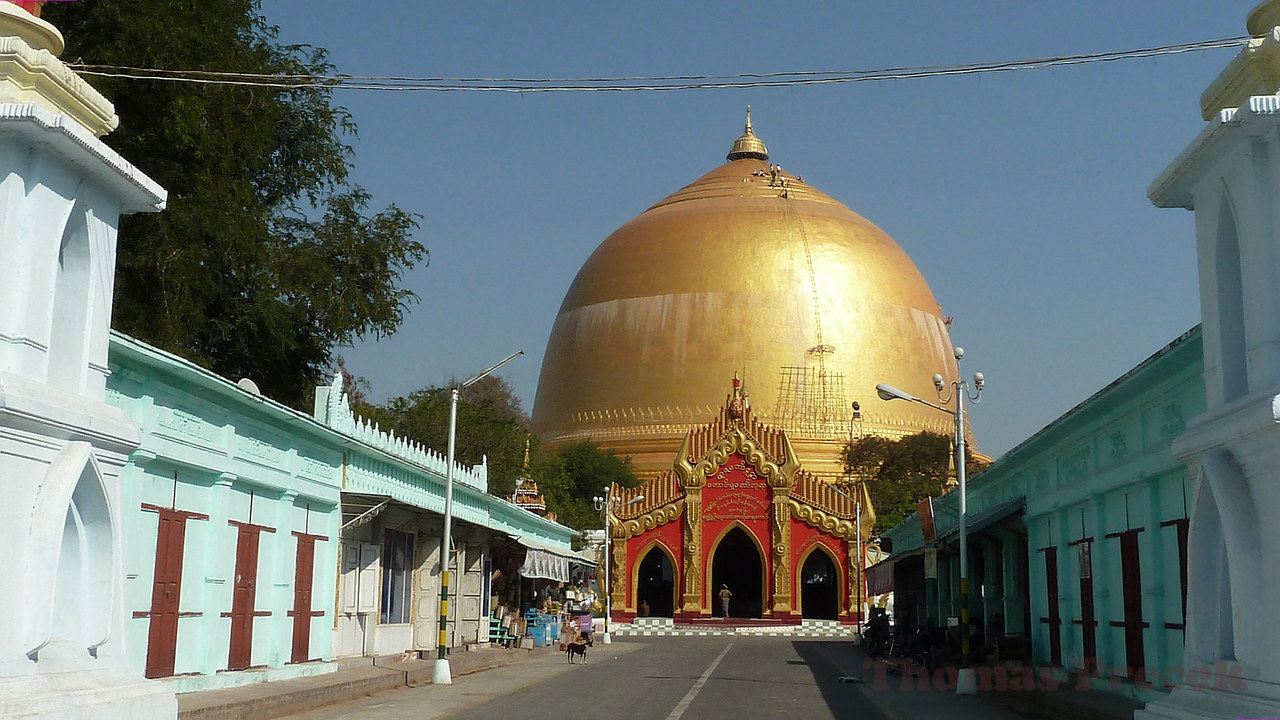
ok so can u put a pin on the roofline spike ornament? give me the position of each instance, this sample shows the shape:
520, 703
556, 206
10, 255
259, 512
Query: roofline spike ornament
748, 146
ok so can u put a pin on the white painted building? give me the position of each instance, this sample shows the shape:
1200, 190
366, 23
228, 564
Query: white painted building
1230, 178
62, 191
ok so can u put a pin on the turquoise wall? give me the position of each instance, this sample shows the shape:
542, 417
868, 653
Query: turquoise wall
212, 448
1104, 467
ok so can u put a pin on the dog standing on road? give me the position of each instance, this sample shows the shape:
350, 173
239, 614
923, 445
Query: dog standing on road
577, 648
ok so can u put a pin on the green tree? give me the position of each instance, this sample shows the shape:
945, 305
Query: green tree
575, 473
490, 423
900, 473
267, 256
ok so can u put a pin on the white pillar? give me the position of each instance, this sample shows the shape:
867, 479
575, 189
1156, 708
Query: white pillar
62, 191
1231, 662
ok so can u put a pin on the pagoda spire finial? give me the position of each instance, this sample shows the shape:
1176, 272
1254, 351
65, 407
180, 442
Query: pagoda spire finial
748, 146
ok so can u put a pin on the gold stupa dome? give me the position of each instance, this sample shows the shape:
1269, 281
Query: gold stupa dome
747, 269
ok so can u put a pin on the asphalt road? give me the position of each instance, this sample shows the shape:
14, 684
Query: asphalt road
696, 678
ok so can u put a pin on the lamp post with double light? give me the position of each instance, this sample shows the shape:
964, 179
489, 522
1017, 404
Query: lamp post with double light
857, 522
440, 673
958, 390
607, 505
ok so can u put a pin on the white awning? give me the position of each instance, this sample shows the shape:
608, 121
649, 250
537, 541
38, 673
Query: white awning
546, 565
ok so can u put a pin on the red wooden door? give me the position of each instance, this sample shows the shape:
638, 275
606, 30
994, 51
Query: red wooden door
303, 579
244, 595
1181, 526
1087, 622
1055, 615
166, 590
1131, 580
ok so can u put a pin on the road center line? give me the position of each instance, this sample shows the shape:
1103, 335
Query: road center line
693, 691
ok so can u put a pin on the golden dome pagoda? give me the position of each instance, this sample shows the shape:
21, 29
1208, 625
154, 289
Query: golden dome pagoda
748, 269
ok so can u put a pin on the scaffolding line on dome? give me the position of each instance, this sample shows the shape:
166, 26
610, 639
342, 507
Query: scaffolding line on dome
631, 83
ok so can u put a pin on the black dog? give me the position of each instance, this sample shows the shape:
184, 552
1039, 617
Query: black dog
578, 648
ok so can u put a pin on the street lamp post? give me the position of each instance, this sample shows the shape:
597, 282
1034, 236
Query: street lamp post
857, 521
966, 683
607, 505
440, 673
855, 421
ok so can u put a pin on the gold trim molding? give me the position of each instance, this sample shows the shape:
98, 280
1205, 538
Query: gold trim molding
828, 523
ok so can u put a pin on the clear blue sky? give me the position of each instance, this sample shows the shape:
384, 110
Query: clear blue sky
1021, 196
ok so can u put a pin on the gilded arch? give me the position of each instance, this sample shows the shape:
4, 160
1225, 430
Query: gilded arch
707, 591
841, 582
633, 602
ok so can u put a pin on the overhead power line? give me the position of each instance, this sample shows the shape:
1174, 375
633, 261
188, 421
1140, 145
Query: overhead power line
632, 83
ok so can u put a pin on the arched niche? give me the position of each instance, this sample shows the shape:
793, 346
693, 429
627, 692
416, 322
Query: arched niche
1232, 344
655, 580
68, 328
737, 559
69, 568
1224, 551
819, 585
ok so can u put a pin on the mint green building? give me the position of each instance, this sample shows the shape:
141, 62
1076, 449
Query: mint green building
1077, 536
260, 543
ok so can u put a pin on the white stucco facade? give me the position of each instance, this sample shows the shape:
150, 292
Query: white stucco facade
1230, 178
62, 625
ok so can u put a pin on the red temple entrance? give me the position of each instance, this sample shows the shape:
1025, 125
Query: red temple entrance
736, 565
819, 587
737, 509
656, 583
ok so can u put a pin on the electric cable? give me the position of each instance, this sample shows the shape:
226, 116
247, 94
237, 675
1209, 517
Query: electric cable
632, 83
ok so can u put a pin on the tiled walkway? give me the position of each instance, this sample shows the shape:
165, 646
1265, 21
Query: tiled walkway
657, 627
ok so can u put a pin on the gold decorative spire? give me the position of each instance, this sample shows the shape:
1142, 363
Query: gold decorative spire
748, 146
526, 494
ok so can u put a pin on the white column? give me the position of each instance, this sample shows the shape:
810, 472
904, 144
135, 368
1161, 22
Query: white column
62, 613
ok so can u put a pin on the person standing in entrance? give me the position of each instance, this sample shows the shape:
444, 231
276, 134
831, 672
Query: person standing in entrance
725, 594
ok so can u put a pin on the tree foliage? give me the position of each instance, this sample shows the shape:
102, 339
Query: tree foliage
900, 473
491, 422
571, 476
267, 256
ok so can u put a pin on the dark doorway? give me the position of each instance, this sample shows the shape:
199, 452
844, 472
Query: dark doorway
737, 564
656, 584
819, 587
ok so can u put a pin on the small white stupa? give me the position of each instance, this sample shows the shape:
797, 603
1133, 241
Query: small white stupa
62, 191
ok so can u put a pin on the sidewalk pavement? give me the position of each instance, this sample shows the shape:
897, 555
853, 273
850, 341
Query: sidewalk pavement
356, 678
1004, 694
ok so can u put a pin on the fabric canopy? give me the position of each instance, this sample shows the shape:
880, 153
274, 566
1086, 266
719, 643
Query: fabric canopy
545, 565
880, 578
